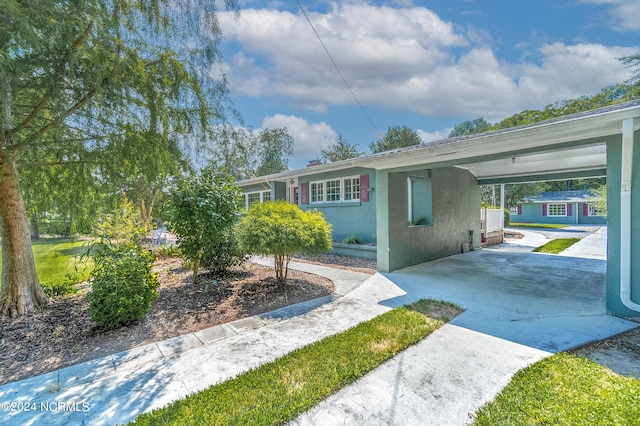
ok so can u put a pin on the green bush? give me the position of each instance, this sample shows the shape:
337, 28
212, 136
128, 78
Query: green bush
352, 239
203, 212
68, 285
280, 229
123, 286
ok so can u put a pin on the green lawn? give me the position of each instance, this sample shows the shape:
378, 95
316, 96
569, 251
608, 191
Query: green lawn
565, 390
536, 225
279, 391
556, 246
58, 258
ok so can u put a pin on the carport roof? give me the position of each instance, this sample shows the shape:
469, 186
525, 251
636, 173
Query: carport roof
565, 147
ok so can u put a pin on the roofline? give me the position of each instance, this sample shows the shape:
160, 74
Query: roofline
600, 123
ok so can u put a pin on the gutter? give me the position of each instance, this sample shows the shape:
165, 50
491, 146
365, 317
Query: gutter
625, 216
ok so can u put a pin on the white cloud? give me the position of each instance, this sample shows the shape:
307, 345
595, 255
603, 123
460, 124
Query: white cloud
407, 59
438, 135
309, 138
624, 13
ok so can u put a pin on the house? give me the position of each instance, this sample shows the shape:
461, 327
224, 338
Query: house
561, 207
421, 203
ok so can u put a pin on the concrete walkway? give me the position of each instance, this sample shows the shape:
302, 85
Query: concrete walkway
520, 307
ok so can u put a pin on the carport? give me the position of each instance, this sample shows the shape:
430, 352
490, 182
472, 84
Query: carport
591, 144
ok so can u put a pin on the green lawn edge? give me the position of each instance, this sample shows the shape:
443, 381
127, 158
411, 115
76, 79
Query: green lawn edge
564, 389
536, 225
556, 246
57, 259
279, 391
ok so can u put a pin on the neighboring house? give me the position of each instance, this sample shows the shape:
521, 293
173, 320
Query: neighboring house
422, 202
561, 207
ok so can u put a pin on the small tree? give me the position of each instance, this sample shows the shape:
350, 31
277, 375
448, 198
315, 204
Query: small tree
281, 229
203, 212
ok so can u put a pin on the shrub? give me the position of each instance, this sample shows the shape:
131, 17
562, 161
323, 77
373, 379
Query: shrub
68, 285
280, 229
203, 212
352, 239
123, 286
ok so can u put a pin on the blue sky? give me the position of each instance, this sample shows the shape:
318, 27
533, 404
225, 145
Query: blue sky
428, 65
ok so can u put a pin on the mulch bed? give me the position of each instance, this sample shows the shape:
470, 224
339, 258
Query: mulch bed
63, 334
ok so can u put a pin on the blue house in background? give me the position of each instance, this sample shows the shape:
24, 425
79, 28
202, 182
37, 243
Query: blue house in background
561, 207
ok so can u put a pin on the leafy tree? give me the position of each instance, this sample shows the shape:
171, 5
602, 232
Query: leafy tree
341, 150
513, 193
235, 150
479, 125
396, 137
77, 79
281, 229
274, 146
601, 202
203, 212
633, 63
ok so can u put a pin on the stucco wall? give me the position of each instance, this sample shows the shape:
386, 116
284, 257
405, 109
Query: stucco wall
455, 212
347, 218
614, 158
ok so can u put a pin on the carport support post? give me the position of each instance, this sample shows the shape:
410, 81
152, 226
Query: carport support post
626, 219
382, 220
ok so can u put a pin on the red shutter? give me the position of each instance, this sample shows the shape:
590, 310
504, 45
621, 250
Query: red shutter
544, 210
569, 209
585, 209
304, 189
364, 186
519, 210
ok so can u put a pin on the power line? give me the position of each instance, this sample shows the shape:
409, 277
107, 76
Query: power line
339, 72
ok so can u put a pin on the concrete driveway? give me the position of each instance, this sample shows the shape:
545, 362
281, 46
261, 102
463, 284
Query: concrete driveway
519, 308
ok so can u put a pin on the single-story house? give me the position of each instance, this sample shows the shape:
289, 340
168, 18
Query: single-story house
421, 203
561, 207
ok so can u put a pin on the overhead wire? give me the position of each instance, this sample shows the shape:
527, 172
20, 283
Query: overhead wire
339, 72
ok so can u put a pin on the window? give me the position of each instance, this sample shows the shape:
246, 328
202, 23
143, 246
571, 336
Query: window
352, 189
333, 190
419, 201
340, 190
317, 192
594, 210
557, 209
253, 197
249, 198
513, 211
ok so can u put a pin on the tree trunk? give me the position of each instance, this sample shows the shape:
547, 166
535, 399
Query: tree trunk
21, 291
35, 229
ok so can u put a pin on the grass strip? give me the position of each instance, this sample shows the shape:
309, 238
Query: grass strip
564, 390
556, 246
279, 391
537, 225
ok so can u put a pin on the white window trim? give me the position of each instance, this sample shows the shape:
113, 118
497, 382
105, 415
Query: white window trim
342, 194
513, 211
556, 204
594, 210
260, 194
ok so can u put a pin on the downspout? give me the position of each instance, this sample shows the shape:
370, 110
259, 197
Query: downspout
625, 216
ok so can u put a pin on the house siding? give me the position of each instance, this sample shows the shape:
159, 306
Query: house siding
534, 213
346, 218
454, 202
